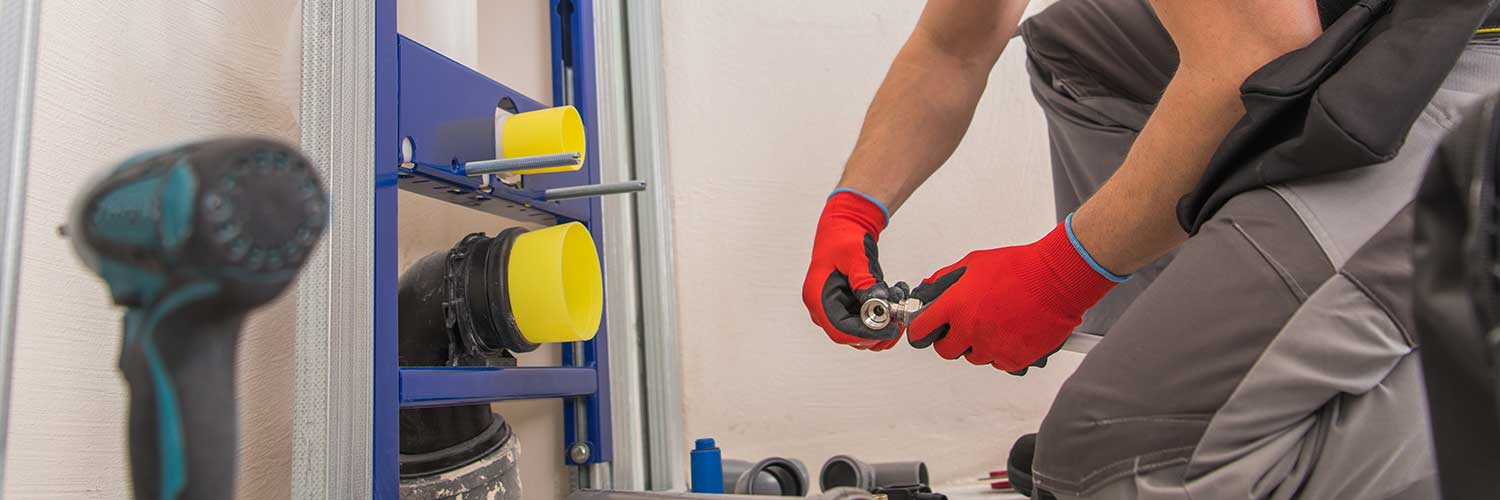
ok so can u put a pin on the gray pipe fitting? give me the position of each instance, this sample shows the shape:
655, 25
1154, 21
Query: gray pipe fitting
773, 476
847, 471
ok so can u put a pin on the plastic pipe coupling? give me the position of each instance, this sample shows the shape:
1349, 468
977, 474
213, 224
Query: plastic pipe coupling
773, 476
546, 131
847, 471
508, 293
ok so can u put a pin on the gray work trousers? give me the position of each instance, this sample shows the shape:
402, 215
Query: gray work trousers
1271, 357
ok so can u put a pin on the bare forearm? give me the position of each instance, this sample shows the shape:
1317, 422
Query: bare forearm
925, 104
1132, 220
914, 124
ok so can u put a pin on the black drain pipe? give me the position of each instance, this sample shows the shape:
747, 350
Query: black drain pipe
454, 311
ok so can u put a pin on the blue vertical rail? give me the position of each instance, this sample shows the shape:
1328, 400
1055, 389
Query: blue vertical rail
385, 463
448, 112
574, 82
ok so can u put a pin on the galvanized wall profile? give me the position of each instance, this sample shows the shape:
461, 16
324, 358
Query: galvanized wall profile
662, 358
18, 34
621, 272
333, 428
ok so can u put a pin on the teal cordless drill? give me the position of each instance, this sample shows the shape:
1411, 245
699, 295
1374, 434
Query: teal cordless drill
190, 239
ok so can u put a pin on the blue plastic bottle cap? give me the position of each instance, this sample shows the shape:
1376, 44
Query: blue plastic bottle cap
704, 444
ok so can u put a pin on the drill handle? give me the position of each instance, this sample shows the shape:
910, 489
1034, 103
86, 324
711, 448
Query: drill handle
178, 359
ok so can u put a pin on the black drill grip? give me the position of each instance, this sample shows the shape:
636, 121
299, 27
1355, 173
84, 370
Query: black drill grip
190, 239
178, 359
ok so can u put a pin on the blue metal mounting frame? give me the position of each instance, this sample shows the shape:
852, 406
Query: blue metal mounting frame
425, 387
574, 81
448, 111
385, 443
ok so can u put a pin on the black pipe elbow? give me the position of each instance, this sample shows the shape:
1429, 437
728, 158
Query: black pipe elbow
454, 311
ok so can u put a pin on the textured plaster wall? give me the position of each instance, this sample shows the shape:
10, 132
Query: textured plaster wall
114, 78
765, 99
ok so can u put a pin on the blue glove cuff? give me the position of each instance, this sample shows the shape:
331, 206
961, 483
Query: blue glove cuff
1083, 252
883, 209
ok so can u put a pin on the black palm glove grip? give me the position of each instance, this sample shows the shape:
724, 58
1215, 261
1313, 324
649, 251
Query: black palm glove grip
844, 272
843, 308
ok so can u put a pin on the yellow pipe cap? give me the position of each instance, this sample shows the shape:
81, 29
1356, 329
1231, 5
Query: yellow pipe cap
556, 287
544, 132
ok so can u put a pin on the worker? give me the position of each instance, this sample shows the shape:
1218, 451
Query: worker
1204, 384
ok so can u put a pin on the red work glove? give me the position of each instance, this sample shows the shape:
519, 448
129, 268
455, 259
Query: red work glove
845, 271
1010, 307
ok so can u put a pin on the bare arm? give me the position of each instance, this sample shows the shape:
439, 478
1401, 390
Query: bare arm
927, 101
1132, 220
925, 104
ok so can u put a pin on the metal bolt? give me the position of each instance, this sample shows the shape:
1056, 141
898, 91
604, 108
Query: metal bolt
502, 165
579, 453
587, 190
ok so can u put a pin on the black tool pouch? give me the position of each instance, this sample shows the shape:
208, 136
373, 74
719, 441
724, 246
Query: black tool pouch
1345, 101
1457, 302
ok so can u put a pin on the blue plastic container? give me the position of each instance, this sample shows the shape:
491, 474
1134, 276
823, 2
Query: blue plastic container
708, 467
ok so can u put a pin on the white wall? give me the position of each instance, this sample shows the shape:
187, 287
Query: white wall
765, 99
114, 78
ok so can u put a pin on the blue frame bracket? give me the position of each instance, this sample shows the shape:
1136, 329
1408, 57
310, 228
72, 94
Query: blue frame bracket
448, 386
447, 111
574, 82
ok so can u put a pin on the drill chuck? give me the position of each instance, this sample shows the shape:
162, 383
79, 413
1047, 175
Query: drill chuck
243, 213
